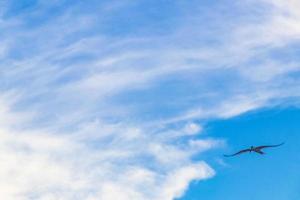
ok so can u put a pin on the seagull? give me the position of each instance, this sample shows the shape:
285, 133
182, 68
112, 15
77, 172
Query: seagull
257, 149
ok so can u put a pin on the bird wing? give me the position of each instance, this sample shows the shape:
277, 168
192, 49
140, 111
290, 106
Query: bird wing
237, 153
267, 146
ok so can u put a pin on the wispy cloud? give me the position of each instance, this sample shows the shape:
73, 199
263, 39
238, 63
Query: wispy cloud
95, 107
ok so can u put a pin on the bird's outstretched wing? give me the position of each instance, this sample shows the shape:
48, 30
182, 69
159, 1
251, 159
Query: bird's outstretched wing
267, 146
237, 153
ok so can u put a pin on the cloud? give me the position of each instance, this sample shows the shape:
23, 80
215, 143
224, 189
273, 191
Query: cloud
93, 107
192, 128
99, 161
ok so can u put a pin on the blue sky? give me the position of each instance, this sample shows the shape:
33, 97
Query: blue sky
275, 175
139, 100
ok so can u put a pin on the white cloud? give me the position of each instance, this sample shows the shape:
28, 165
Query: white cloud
183, 176
100, 161
192, 128
202, 145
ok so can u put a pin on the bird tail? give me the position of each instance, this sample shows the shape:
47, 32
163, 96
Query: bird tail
260, 152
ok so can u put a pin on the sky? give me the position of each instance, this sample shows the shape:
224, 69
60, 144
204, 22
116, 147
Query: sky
139, 100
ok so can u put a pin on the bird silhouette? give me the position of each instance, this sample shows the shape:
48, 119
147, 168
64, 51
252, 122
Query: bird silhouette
257, 149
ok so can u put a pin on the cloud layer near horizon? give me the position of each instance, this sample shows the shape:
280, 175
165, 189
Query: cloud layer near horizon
105, 100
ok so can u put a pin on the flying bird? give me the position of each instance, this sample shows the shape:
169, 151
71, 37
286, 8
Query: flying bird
257, 149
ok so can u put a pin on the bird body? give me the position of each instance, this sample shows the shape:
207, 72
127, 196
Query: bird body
257, 149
